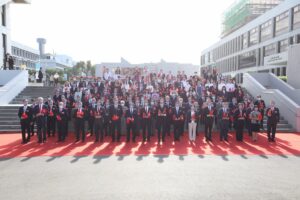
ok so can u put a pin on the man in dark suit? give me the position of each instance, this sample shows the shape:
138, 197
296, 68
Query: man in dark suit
273, 117
131, 121
224, 117
91, 118
61, 116
178, 118
40, 113
98, 113
239, 118
51, 120
209, 113
162, 115
79, 116
169, 108
116, 113
25, 115
106, 119
146, 121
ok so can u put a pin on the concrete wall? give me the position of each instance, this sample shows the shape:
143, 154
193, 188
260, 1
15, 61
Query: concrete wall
13, 81
293, 67
289, 109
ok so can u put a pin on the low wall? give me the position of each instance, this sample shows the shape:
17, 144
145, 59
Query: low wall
13, 82
289, 109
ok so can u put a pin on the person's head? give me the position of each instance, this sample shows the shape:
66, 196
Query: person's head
61, 105
252, 105
255, 108
234, 100
259, 97
25, 102
272, 104
225, 105
167, 98
180, 101
241, 106
79, 105
107, 103
40, 100
122, 102
94, 100
50, 102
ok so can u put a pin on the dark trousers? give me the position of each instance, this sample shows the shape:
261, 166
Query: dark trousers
262, 119
41, 123
51, 127
106, 128
161, 131
146, 126
239, 130
116, 126
131, 127
208, 129
99, 132
25, 127
177, 130
249, 127
79, 127
91, 125
61, 130
224, 129
168, 126
32, 127
271, 128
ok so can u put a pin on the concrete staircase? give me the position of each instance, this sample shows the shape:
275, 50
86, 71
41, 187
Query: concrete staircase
32, 92
9, 121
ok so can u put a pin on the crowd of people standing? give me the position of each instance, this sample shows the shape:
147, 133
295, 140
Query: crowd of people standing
150, 105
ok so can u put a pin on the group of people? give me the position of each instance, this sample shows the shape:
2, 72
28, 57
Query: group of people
148, 105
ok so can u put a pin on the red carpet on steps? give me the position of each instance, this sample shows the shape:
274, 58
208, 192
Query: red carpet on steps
286, 144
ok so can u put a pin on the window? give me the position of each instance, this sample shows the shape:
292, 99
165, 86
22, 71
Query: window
296, 23
270, 50
282, 23
245, 40
247, 60
253, 36
266, 31
3, 15
283, 45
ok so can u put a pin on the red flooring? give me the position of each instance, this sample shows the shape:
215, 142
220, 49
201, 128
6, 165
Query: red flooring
286, 144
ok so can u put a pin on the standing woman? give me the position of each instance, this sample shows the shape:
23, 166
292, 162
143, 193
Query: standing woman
255, 117
192, 117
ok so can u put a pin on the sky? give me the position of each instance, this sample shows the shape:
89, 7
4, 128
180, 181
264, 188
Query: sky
106, 30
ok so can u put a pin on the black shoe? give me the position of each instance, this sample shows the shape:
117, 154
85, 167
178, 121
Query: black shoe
96, 141
24, 142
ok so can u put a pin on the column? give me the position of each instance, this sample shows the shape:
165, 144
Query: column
291, 19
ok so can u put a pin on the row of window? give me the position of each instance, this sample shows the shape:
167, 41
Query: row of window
258, 34
25, 54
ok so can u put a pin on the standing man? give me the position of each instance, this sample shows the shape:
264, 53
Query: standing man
161, 121
51, 120
40, 76
209, 113
146, 121
178, 118
273, 117
98, 113
61, 119
106, 118
40, 113
224, 117
239, 117
25, 115
79, 116
131, 121
91, 117
116, 113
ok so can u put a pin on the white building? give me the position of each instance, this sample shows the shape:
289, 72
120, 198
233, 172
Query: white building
24, 57
50, 61
189, 69
5, 41
260, 45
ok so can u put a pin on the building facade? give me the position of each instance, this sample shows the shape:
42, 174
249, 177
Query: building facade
260, 45
24, 57
5, 41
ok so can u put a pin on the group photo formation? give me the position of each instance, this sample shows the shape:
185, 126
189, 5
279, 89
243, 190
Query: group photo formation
149, 100
144, 107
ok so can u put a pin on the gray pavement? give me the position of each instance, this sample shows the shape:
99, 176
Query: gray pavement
151, 177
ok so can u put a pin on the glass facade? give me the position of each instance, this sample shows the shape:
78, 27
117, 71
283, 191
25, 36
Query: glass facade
245, 40
270, 50
266, 31
247, 60
253, 36
296, 17
283, 45
282, 23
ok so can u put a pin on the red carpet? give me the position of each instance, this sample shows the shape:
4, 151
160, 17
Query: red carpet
286, 144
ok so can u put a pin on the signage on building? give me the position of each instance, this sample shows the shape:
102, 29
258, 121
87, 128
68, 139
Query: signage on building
276, 59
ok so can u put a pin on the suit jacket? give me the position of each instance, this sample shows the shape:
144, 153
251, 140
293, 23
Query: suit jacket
146, 115
131, 117
273, 116
178, 116
27, 114
61, 116
116, 113
189, 116
79, 116
42, 113
207, 114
